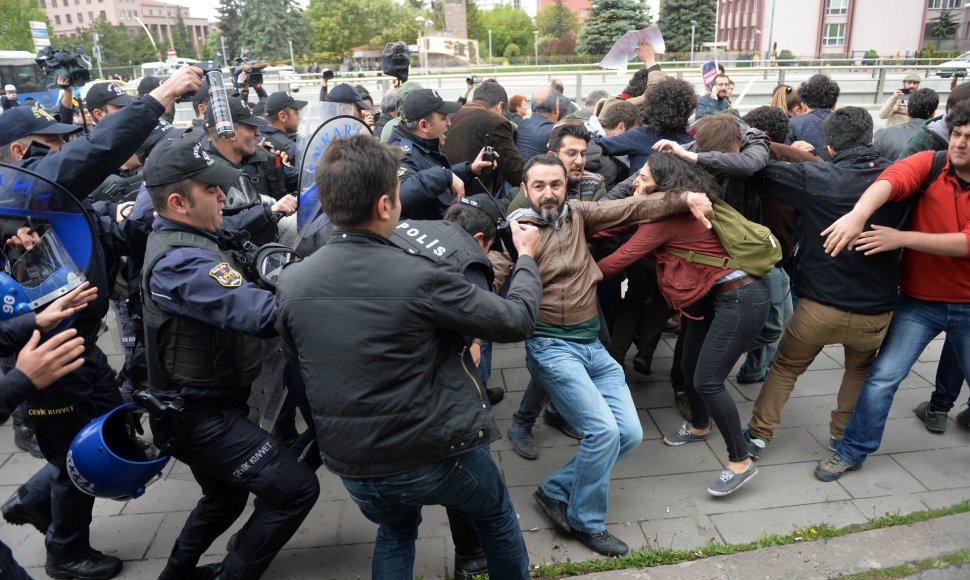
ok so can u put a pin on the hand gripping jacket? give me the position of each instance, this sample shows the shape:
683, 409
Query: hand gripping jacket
184, 351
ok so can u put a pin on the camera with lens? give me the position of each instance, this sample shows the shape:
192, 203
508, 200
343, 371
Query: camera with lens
329, 74
72, 65
396, 60
473, 80
489, 154
252, 68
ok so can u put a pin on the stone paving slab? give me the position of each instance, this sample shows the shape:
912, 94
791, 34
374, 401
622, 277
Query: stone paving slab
658, 494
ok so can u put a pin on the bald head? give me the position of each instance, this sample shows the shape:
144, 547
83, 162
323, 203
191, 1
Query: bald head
545, 102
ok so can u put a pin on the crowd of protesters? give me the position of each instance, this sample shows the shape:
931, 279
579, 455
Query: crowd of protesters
585, 231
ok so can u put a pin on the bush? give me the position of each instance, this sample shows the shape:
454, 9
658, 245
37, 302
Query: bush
871, 58
512, 50
785, 57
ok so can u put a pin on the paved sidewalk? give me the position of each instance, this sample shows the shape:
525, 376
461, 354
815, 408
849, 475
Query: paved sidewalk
658, 497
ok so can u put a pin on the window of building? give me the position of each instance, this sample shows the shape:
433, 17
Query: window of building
67, 17
91, 16
103, 15
836, 7
54, 3
80, 17
938, 4
43, 4
57, 20
834, 35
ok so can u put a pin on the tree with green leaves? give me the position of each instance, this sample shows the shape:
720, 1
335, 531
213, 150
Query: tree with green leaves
270, 25
474, 24
14, 31
115, 41
229, 26
675, 23
509, 26
609, 20
556, 21
180, 38
943, 27
339, 25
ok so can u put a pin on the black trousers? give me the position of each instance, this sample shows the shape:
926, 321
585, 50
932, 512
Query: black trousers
57, 414
231, 457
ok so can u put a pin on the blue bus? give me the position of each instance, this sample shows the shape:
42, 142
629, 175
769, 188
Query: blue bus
17, 68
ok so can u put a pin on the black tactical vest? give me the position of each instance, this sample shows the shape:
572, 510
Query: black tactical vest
441, 240
182, 351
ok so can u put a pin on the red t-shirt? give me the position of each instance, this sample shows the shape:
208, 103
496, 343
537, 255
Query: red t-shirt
943, 209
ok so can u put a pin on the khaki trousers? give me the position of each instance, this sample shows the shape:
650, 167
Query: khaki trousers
812, 327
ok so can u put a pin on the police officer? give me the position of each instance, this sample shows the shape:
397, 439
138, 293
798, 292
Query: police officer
283, 114
74, 400
202, 319
429, 184
263, 170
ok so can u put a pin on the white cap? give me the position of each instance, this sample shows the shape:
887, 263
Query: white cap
10, 89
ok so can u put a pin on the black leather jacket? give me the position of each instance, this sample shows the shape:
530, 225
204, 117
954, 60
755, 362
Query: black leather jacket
379, 336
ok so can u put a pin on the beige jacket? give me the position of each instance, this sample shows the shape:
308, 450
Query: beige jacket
568, 271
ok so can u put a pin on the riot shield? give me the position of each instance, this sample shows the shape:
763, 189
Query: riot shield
59, 261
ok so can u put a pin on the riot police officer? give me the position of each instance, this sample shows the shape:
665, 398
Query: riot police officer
79, 166
202, 322
283, 115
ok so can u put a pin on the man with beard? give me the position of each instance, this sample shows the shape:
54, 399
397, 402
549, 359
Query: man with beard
569, 143
716, 102
564, 353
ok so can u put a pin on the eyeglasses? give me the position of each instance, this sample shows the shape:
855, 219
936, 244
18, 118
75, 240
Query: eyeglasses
573, 154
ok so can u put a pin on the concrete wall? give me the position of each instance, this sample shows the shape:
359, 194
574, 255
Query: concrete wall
796, 26
887, 27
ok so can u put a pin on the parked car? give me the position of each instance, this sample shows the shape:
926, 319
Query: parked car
957, 67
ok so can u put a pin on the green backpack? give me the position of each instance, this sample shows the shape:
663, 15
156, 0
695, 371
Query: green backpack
751, 247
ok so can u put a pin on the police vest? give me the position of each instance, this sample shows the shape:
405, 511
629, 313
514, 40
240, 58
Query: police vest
266, 176
186, 352
441, 240
279, 139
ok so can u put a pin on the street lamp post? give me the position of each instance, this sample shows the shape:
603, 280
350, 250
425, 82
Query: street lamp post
693, 26
490, 47
536, 44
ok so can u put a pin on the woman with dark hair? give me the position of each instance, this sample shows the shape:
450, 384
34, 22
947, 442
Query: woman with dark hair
723, 309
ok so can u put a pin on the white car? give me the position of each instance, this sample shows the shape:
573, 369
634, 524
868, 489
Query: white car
957, 67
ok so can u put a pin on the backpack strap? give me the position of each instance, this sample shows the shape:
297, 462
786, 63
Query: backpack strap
725, 263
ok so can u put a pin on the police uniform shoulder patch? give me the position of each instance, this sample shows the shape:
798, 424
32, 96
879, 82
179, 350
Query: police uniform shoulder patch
226, 276
405, 144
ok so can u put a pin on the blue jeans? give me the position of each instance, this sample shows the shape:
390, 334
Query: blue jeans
590, 391
469, 482
949, 379
766, 344
915, 323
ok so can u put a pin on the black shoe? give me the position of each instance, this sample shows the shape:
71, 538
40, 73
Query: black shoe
555, 509
642, 365
603, 543
934, 421
285, 433
554, 419
495, 395
467, 566
25, 440
90, 564
523, 442
16, 512
207, 572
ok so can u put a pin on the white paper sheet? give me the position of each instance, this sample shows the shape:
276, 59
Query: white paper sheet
626, 47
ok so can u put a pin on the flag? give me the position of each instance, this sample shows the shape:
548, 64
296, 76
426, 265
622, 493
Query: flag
708, 72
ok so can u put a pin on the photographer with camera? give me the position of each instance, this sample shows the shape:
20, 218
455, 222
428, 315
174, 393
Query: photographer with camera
92, 390
895, 111
429, 184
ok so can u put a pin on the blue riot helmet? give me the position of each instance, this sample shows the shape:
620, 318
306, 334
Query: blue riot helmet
107, 460
56, 264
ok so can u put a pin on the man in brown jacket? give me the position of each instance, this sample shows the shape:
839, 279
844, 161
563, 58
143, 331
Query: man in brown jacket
564, 353
478, 124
